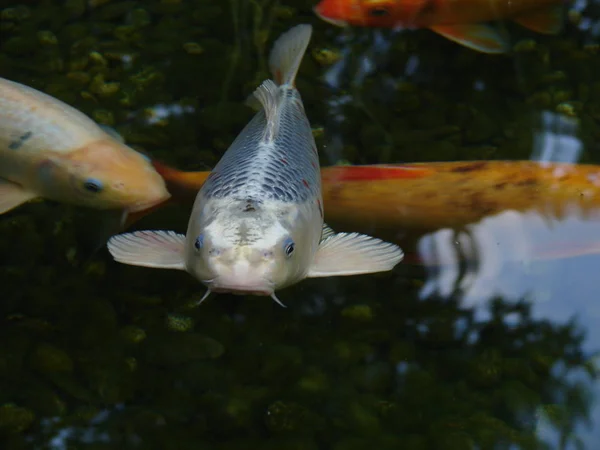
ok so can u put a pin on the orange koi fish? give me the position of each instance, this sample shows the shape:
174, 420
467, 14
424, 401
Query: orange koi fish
50, 150
458, 20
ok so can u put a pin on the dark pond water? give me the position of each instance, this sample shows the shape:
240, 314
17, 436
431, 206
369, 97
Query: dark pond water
487, 340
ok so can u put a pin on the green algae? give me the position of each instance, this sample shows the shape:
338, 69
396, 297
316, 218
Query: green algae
15, 419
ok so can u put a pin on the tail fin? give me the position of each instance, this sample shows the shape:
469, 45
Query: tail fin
181, 185
288, 52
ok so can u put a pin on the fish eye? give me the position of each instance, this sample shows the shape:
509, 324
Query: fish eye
289, 247
92, 185
199, 242
379, 11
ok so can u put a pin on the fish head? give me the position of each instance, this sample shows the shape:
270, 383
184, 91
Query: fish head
362, 13
250, 250
104, 174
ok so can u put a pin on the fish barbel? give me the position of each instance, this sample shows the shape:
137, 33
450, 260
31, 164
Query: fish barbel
257, 223
50, 150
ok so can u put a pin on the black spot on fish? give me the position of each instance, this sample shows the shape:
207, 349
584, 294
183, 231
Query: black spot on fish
249, 207
17, 143
527, 182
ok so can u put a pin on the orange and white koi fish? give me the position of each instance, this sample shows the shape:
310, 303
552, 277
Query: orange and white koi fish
461, 21
52, 151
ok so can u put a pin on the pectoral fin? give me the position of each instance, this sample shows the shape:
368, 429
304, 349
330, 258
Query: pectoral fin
545, 21
482, 38
353, 254
158, 249
13, 195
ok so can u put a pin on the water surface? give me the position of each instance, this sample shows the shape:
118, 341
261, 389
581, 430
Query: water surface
488, 343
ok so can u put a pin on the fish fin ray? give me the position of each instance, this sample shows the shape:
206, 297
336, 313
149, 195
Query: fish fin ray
13, 195
546, 21
327, 232
157, 249
267, 95
287, 54
479, 37
353, 254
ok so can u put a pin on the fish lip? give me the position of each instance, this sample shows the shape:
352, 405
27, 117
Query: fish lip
263, 289
242, 290
335, 22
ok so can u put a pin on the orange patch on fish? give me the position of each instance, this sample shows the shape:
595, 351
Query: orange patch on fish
366, 173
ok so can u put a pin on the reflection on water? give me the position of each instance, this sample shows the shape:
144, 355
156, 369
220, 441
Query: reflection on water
557, 140
546, 261
489, 342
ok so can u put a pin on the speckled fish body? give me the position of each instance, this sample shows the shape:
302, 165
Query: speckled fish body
50, 150
266, 189
257, 223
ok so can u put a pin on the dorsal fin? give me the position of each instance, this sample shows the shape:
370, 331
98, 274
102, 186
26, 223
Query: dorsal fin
267, 95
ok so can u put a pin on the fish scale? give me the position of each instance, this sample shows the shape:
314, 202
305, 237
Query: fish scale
285, 168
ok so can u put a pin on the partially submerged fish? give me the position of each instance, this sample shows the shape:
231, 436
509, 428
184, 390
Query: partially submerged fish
458, 20
50, 150
257, 223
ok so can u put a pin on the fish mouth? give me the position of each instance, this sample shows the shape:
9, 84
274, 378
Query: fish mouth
259, 289
335, 22
242, 290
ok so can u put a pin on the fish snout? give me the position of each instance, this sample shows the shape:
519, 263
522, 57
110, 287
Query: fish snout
153, 193
127, 178
242, 278
239, 284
